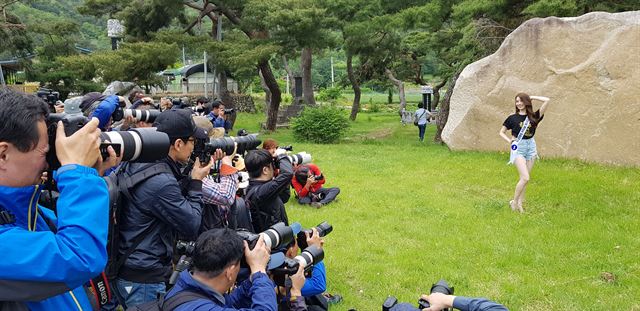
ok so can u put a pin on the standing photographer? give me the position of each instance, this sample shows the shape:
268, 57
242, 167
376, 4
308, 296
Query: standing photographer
47, 257
159, 210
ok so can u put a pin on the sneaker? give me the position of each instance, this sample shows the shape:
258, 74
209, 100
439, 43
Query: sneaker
332, 299
316, 204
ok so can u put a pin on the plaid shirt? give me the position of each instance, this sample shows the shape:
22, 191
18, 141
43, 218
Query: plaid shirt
223, 193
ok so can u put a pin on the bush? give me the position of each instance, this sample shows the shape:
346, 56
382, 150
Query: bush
323, 125
330, 94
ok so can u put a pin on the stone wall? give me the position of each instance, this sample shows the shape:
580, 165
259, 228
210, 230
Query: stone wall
590, 68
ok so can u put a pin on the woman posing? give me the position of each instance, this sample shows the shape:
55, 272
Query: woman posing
523, 126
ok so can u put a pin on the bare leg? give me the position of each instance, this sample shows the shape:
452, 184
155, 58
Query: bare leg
529, 167
523, 171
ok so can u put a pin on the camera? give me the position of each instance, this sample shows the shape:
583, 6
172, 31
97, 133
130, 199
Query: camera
275, 237
229, 110
323, 229
48, 96
318, 177
203, 150
137, 145
148, 116
287, 148
185, 249
308, 257
391, 303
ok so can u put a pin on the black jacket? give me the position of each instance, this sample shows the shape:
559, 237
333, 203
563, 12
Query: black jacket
266, 198
158, 201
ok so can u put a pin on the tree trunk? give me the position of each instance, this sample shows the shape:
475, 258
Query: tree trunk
400, 85
436, 92
276, 95
356, 88
226, 97
443, 113
267, 93
307, 82
287, 69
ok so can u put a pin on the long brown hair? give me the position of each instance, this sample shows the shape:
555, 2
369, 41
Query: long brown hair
528, 107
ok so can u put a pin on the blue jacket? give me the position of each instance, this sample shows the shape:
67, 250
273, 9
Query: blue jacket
260, 292
317, 283
40, 264
158, 201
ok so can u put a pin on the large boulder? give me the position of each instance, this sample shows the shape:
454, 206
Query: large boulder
590, 68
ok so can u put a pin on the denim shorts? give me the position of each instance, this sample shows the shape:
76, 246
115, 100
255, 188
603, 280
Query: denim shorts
526, 149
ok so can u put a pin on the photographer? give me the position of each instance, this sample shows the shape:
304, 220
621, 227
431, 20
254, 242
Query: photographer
219, 195
441, 301
159, 209
47, 257
216, 263
307, 182
267, 194
200, 109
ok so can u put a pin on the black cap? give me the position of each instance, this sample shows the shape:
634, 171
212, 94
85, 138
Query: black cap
178, 123
203, 100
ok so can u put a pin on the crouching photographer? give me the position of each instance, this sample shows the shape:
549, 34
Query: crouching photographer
216, 263
308, 183
47, 256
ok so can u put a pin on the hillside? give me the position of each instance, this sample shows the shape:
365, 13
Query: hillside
93, 32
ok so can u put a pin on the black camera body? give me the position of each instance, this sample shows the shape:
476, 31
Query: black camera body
185, 249
137, 145
287, 148
49, 96
323, 229
308, 258
391, 303
318, 177
229, 110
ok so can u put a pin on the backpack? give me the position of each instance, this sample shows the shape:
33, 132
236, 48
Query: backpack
169, 304
120, 185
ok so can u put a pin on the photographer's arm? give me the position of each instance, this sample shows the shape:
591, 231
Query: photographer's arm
77, 251
273, 188
182, 213
441, 301
258, 289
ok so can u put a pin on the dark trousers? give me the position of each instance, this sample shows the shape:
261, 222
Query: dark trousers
325, 196
421, 129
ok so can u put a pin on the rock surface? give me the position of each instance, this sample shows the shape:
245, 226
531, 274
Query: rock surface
590, 68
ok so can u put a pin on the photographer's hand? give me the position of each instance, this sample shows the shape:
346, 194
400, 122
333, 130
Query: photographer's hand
82, 148
218, 155
199, 172
112, 161
314, 238
257, 258
438, 301
297, 282
310, 181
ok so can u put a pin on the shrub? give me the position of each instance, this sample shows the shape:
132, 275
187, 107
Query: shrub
330, 94
321, 125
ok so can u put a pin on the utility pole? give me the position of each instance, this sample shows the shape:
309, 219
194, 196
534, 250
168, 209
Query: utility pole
184, 59
205, 74
332, 74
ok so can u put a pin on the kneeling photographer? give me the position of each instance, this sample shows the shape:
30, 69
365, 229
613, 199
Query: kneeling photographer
47, 256
216, 263
157, 210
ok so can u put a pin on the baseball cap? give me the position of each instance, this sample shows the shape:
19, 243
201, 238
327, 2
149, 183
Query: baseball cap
178, 123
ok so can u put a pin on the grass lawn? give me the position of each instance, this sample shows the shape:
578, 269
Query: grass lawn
411, 213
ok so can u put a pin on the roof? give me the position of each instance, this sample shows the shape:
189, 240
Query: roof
191, 69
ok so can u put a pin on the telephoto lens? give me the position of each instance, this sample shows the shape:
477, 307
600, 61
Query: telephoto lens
139, 144
227, 144
323, 229
275, 237
148, 116
300, 158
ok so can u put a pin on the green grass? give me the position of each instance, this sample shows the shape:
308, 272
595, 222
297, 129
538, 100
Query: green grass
411, 213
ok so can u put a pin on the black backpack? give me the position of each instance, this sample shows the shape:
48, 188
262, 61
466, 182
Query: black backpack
169, 304
120, 184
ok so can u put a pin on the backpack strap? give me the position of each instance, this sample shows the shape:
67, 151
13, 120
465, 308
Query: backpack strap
179, 299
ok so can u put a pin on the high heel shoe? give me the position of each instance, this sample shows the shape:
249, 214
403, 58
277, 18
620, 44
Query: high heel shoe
513, 208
